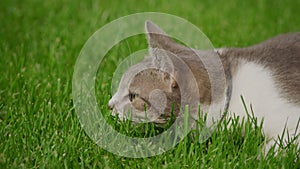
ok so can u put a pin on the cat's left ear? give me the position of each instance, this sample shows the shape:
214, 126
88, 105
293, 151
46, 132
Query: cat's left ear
161, 48
157, 38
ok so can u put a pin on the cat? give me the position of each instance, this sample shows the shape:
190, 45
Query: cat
267, 75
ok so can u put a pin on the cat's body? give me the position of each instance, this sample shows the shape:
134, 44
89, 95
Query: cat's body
267, 75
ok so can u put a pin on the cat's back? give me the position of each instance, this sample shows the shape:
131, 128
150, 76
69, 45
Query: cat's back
280, 50
280, 56
282, 40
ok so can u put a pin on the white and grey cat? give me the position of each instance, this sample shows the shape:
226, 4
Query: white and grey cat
267, 75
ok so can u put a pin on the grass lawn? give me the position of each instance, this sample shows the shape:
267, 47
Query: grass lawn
39, 45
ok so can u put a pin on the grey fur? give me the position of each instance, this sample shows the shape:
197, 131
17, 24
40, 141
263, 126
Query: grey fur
281, 55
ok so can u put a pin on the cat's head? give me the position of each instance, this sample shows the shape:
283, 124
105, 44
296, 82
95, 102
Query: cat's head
149, 90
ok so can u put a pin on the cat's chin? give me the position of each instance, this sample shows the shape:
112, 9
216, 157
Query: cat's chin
136, 120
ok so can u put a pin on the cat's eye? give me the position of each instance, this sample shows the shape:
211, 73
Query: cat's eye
131, 96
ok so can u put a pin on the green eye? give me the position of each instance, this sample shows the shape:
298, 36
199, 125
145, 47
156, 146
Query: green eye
132, 96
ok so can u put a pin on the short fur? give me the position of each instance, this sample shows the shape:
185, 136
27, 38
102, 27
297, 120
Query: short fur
275, 62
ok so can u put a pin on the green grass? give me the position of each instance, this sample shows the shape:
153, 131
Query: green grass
39, 44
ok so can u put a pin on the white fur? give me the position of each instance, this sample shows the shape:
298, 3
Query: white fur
256, 85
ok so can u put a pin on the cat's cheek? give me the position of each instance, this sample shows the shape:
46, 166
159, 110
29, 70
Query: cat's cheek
139, 105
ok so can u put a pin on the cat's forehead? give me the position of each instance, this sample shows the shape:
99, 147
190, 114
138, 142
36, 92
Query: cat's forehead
134, 72
139, 77
151, 75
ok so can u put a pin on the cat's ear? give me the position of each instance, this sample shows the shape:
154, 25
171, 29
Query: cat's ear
160, 49
157, 38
